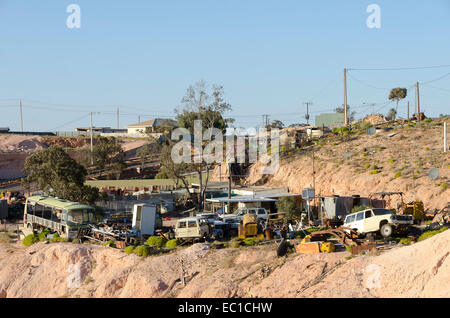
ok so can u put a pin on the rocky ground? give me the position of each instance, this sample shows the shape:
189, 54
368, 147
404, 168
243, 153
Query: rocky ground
50, 270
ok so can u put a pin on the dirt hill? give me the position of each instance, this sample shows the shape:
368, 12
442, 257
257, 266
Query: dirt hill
47, 271
393, 160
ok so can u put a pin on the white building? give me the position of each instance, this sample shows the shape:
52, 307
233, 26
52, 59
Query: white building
154, 125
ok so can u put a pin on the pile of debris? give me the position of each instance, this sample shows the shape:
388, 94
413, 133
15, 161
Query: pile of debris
374, 119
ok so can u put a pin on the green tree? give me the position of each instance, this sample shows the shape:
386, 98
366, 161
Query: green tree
397, 94
351, 114
56, 173
205, 103
143, 154
276, 124
108, 153
290, 207
391, 114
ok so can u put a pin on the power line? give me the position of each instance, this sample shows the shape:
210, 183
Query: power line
438, 88
399, 68
368, 85
70, 122
436, 79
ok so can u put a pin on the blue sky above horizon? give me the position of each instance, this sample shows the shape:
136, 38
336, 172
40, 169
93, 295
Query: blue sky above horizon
270, 56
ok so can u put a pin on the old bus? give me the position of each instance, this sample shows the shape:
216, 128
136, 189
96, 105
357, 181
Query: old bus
58, 215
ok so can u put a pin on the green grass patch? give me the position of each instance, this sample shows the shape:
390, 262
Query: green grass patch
398, 174
428, 234
405, 241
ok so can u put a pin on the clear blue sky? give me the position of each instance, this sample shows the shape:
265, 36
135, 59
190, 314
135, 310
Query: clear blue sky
270, 56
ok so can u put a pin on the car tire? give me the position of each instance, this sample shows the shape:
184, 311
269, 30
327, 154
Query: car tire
386, 230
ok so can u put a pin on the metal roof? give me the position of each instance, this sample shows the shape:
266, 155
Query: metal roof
241, 199
58, 203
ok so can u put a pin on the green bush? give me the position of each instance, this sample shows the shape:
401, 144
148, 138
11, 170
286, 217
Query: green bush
405, 241
250, 241
157, 241
108, 243
172, 243
290, 206
57, 238
142, 250
427, 120
161, 175
374, 172
428, 234
315, 229
30, 239
43, 235
398, 174
235, 244
129, 250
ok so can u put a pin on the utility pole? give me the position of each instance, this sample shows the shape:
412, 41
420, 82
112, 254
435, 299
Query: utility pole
21, 117
408, 110
265, 120
92, 142
345, 97
118, 114
139, 119
418, 100
229, 189
307, 112
445, 136
373, 109
91, 128
314, 178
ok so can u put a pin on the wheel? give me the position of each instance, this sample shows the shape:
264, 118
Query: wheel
386, 230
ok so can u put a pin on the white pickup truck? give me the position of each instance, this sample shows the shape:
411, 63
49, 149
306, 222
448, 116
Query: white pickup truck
238, 215
374, 220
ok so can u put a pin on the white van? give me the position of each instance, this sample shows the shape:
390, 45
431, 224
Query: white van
192, 228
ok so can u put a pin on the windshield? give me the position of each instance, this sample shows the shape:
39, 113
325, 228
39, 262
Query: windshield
381, 211
240, 212
80, 216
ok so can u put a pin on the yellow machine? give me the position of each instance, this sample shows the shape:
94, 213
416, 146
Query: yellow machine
249, 227
327, 247
414, 208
